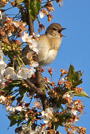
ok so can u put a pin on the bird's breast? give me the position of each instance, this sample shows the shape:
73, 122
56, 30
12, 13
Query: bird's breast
55, 43
51, 55
48, 49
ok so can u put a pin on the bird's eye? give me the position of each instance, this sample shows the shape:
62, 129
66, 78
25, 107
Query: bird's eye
54, 28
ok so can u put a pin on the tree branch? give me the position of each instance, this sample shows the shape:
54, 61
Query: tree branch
39, 85
40, 92
37, 90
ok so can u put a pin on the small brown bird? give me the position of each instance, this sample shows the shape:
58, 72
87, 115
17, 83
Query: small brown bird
49, 44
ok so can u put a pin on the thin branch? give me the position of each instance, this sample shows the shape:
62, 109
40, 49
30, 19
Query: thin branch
37, 90
30, 21
40, 92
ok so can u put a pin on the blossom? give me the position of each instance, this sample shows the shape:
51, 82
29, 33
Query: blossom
38, 104
74, 111
60, 2
3, 3
18, 108
10, 110
1, 52
68, 97
3, 17
27, 38
31, 72
49, 17
25, 73
43, 13
2, 99
38, 130
22, 73
0, 15
35, 64
34, 46
17, 24
2, 68
49, 6
32, 41
9, 34
9, 72
2, 65
41, 27
47, 114
24, 126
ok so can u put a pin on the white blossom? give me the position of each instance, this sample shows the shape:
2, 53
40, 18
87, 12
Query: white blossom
25, 73
47, 114
74, 112
3, 17
9, 34
22, 73
24, 126
27, 38
35, 64
16, 23
10, 73
18, 108
2, 65
10, 110
0, 15
68, 95
2, 99
46, 120
41, 14
34, 46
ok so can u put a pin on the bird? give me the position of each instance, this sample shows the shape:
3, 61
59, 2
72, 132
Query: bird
49, 44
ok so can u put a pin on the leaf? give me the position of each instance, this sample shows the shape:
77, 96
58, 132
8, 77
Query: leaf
9, 89
74, 77
13, 122
62, 119
83, 93
15, 119
19, 1
70, 73
34, 8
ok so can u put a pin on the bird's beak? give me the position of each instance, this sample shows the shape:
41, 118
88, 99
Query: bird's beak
63, 28
61, 31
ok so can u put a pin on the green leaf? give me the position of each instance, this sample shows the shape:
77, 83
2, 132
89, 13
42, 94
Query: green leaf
19, 1
83, 94
74, 77
13, 122
9, 89
34, 8
15, 119
62, 119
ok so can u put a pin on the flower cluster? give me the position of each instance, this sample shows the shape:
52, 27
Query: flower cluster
7, 73
49, 7
3, 2
12, 48
44, 12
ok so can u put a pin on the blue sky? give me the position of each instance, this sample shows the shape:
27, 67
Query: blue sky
75, 49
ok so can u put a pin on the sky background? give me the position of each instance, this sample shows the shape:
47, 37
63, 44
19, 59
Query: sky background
75, 49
